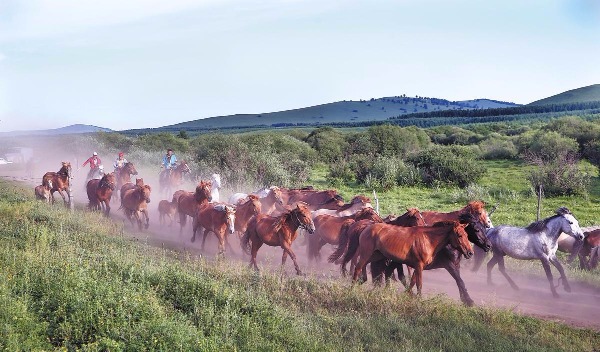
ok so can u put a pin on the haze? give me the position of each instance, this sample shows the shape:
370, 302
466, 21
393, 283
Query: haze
150, 63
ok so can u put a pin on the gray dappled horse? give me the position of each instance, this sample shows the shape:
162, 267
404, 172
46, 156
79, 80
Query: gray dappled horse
539, 240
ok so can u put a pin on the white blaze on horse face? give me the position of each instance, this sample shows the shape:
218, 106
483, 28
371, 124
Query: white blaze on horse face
574, 229
231, 222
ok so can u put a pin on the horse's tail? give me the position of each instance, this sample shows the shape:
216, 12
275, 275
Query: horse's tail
353, 242
342, 244
245, 240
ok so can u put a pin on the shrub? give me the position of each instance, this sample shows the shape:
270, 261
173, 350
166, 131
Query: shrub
592, 152
340, 173
496, 147
548, 145
384, 172
391, 140
328, 142
577, 128
561, 176
444, 165
162, 141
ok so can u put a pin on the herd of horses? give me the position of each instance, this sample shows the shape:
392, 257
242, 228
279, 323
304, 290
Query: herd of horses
276, 216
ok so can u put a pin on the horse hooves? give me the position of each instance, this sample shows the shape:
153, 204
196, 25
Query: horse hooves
515, 287
469, 302
555, 295
567, 288
299, 273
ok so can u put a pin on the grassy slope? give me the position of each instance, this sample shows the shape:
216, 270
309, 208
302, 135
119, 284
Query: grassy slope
579, 95
72, 281
343, 111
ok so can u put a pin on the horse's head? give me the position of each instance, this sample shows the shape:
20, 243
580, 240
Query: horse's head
459, 239
416, 217
275, 192
66, 169
230, 215
139, 182
129, 168
476, 231
364, 201
367, 213
302, 214
184, 167
48, 184
145, 191
203, 191
254, 203
109, 181
477, 208
570, 225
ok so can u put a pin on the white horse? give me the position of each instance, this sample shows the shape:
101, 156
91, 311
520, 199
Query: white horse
236, 197
539, 240
356, 204
215, 179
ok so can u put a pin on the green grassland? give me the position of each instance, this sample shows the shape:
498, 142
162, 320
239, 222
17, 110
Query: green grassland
583, 94
73, 281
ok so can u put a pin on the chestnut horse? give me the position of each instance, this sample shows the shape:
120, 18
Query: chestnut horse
356, 204
591, 248
139, 182
349, 238
166, 209
173, 178
124, 176
328, 228
244, 211
100, 191
135, 202
60, 182
477, 208
188, 203
42, 192
314, 199
272, 201
216, 218
413, 246
448, 258
277, 231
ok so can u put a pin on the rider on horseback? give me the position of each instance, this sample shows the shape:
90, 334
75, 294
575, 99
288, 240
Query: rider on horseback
169, 161
119, 163
95, 165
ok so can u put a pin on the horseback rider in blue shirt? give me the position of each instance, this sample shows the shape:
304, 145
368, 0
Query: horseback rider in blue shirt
169, 161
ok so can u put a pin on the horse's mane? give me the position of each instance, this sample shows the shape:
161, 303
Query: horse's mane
284, 217
104, 182
369, 211
444, 224
538, 226
475, 206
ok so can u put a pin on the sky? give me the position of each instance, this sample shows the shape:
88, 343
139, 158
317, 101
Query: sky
125, 64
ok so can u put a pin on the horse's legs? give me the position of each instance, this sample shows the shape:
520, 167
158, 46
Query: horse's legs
107, 206
559, 266
478, 259
145, 212
195, 227
546, 264
256, 244
63, 196
490, 266
287, 247
229, 247
502, 269
454, 270
182, 221
221, 237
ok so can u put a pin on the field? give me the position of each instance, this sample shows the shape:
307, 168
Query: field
79, 281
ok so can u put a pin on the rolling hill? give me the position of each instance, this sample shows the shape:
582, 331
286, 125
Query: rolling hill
343, 111
579, 95
71, 129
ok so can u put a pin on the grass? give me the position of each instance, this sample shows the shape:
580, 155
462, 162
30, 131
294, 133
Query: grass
73, 281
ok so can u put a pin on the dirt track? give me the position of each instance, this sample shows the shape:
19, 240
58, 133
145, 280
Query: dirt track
579, 308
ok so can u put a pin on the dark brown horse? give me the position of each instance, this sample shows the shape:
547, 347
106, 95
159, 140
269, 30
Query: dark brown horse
134, 202
172, 179
123, 176
448, 258
42, 192
413, 246
277, 231
329, 227
189, 203
166, 209
100, 191
591, 249
216, 218
328, 199
60, 182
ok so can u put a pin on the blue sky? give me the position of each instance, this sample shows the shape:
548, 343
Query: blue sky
146, 63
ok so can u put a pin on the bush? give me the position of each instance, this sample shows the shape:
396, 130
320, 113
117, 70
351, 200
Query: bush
576, 128
561, 176
328, 142
397, 141
162, 141
453, 166
340, 173
548, 145
496, 147
591, 151
384, 172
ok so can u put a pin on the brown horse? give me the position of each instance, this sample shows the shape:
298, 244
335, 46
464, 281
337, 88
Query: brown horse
135, 202
244, 211
413, 246
356, 204
60, 182
123, 176
348, 242
170, 179
166, 209
189, 203
328, 229
476, 208
591, 248
100, 191
139, 182
218, 218
42, 192
277, 231
328, 199
273, 201
448, 258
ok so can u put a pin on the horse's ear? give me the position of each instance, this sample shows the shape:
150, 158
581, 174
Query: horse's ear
563, 211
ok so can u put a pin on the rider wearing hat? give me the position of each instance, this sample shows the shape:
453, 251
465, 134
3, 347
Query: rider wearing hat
94, 162
120, 162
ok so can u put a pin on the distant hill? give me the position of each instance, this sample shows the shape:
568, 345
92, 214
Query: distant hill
579, 95
72, 129
338, 112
